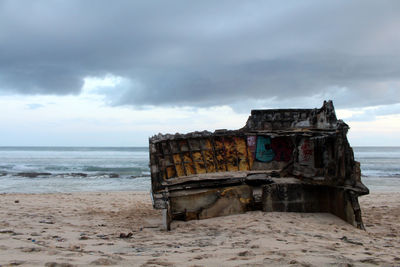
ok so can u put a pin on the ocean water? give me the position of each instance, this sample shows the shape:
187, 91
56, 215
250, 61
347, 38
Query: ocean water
84, 169
73, 169
380, 167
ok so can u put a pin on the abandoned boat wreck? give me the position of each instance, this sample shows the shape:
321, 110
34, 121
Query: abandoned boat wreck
287, 160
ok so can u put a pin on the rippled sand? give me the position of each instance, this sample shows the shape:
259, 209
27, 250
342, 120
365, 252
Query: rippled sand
121, 228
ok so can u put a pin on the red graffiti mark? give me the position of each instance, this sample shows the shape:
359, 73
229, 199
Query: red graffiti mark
282, 148
307, 151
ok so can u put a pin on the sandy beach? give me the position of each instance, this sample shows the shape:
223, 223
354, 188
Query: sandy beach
121, 228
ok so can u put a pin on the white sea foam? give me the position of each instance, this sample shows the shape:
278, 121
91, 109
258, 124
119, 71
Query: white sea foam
66, 169
58, 169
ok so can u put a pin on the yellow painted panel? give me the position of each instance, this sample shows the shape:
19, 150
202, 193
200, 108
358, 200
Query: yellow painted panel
197, 156
187, 158
171, 172
190, 169
199, 162
231, 160
219, 144
230, 154
200, 167
209, 160
250, 158
243, 166
221, 161
232, 167
177, 158
229, 144
179, 170
242, 153
240, 145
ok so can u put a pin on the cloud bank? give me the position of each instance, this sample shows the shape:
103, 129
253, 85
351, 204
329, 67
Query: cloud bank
205, 53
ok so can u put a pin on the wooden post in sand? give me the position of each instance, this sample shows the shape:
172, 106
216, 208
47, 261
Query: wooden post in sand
167, 217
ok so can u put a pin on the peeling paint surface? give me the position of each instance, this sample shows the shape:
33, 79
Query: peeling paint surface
282, 150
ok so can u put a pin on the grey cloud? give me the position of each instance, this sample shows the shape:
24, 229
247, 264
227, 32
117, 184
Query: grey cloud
372, 113
205, 53
366, 81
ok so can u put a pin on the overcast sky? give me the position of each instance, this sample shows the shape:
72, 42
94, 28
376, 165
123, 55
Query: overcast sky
115, 72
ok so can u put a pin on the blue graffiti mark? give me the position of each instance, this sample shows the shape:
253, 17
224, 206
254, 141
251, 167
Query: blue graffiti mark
264, 151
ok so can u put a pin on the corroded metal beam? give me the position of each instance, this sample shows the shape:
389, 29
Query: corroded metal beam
275, 146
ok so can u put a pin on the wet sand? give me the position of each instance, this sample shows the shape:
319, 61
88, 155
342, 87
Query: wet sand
121, 228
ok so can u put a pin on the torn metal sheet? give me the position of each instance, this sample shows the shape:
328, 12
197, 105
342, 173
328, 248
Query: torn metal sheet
257, 163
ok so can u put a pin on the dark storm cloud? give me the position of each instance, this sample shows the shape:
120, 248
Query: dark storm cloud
204, 53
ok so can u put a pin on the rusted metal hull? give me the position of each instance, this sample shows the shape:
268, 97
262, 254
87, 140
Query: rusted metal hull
208, 203
191, 172
301, 197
